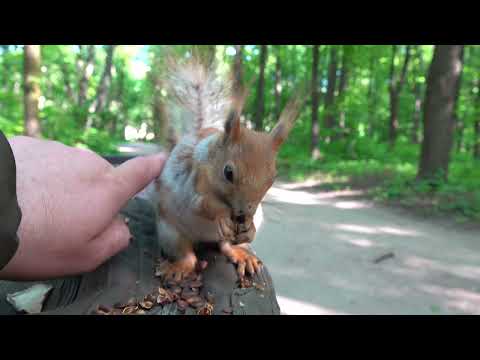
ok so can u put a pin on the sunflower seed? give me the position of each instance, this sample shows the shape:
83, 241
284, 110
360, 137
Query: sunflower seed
129, 310
147, 305
206, 309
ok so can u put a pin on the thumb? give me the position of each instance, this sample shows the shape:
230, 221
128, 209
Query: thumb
134, 175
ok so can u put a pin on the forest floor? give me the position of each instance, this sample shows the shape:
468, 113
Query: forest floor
321, 245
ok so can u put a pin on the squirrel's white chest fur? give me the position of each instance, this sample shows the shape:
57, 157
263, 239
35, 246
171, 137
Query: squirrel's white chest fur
179, 195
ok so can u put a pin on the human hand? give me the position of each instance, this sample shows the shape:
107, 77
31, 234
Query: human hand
70, 199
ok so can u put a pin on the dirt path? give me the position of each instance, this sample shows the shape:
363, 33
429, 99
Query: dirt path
321, 247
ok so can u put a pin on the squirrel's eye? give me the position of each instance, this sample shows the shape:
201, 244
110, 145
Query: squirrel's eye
228, 173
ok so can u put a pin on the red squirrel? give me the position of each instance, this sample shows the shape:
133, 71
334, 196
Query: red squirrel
216, 174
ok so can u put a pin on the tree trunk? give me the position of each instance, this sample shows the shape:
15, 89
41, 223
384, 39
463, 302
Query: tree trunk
278, 85
371, 97
119, 99
315, 152
343, 73
104, 86
238, 66
31, 68
393, 123
101, 99
160, 120
260, 99
442, 84
417, 114
5, 71
396, 86
341, 89
83, 85
159, 114
458, 123
329, 121
418, 92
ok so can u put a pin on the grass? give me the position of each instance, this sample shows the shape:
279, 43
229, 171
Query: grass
388, 176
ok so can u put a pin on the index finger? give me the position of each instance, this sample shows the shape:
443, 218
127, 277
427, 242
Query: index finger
134, 175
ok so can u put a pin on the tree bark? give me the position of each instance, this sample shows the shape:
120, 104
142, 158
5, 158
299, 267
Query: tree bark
418, 103
396, 86
315, 153
238, 66
342, 87
32, 73
442, 84
5, 68
101, 99
160, 118
343, 73
159, 114
458, 123
329, 121
85, 75
104, 86
260, 98
278, 85
119, 99
371, 98
415, 138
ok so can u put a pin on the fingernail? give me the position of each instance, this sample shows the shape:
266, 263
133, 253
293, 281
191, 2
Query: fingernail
126, 220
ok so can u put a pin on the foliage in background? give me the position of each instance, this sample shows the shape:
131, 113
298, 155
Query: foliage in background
356, 147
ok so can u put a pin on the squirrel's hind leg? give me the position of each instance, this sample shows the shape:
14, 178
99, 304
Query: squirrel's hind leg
180, 257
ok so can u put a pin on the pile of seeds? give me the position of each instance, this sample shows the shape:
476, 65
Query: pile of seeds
245, 283
184, 294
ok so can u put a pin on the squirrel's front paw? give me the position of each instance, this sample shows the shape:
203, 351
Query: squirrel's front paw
246, 236
179, 269
243, 258
226, 229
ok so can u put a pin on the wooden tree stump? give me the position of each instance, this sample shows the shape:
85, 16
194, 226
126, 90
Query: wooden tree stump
130, 274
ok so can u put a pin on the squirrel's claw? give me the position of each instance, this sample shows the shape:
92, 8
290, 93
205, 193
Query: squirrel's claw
242, 258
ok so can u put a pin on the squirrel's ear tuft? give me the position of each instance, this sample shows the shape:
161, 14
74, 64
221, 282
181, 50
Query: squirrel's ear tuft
232, 127
280, 133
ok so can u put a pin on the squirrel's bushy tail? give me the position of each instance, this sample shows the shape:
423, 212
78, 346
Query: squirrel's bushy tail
198, 96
